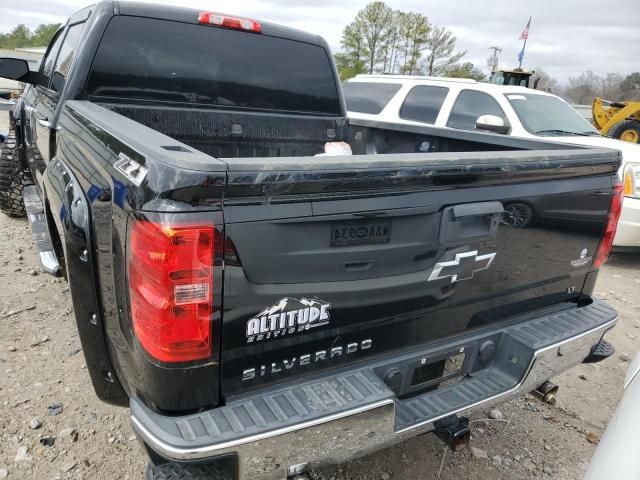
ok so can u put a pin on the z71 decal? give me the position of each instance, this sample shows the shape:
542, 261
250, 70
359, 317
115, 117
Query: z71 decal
288, 316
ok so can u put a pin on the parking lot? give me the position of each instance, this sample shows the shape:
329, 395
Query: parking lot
53, 426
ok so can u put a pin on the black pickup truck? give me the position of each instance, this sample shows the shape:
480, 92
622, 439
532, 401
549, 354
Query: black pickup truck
261, 303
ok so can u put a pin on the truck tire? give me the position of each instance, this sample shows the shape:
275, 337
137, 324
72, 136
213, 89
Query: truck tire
174, 471
627, 130
517, 214
11, 179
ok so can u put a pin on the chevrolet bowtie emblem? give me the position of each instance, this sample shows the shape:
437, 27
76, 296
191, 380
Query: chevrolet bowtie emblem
462, 267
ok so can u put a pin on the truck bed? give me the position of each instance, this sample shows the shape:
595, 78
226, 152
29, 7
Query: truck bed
438, 196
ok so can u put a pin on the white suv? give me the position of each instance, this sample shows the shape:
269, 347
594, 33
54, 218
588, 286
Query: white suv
469, 105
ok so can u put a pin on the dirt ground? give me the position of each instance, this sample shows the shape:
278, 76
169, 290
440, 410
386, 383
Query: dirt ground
41, 365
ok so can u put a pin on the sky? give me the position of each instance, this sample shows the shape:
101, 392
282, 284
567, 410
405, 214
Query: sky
567, 37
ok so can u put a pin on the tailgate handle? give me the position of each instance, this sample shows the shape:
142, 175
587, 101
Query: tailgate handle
476, 209
470, 222
357, 266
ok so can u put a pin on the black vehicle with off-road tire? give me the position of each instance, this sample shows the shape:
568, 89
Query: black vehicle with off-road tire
270, 286
11, 179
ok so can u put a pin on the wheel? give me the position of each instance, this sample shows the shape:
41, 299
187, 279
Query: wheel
174, 471
517, 215
627, 130
11, 179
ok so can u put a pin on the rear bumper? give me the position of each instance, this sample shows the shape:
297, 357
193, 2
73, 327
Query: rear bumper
628, 233
347, 414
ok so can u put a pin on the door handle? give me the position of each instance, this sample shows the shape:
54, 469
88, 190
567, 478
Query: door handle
30, 109
44, 122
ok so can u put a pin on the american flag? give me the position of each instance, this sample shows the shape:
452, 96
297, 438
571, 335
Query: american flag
525, 33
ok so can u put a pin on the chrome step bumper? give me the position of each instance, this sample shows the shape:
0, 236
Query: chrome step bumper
347, 414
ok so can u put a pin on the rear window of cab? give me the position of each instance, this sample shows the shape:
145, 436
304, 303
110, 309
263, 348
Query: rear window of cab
158, 60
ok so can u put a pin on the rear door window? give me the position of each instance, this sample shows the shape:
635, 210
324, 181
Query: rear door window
46, 67
470, 105
369, 97
158, 60
66, 56
423, 103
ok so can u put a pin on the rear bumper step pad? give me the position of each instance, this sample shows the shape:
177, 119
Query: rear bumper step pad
348, 413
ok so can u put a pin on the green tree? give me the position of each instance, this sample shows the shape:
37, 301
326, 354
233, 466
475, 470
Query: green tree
21, 36
365, 41
465, 70
43, 34
441, 44
414, 31
351, 61
374, 22
348, 66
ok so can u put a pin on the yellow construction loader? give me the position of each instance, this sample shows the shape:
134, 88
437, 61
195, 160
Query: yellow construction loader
619, 120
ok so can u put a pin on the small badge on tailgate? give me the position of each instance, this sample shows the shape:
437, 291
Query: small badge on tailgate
288, 316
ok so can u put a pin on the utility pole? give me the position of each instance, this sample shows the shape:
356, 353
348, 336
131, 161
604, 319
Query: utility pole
493, 59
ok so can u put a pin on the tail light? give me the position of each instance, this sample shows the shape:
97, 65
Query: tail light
236, 23
604, 249
171, 289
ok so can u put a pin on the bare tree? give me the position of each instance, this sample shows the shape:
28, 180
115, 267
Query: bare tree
545, 82
630, 87
442, 44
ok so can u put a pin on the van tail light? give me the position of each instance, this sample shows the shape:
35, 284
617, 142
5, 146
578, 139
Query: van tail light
606, 244
228, 21
171, 289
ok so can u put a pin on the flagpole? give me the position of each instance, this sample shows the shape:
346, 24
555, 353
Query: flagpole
524, 46
522, 57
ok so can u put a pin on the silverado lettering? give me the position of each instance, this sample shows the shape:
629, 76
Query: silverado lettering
306, 359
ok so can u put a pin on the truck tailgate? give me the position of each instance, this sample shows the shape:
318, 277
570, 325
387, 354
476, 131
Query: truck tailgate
335, 259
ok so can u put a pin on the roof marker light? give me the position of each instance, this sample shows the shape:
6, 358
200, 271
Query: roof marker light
236, 23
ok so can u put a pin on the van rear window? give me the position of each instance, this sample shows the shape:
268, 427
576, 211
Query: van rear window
368, 97
159, 60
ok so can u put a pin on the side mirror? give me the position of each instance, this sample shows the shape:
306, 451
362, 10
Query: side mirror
492, 123
13, 68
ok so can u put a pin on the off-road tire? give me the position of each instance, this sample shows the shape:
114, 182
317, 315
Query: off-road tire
11, 179
619, 129
174, 471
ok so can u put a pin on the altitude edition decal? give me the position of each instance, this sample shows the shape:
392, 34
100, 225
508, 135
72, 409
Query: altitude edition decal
288, 316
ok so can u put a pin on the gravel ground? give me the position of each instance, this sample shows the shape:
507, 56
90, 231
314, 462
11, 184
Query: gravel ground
42, 367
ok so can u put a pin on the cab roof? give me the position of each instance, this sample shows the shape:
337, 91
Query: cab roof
190, 15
